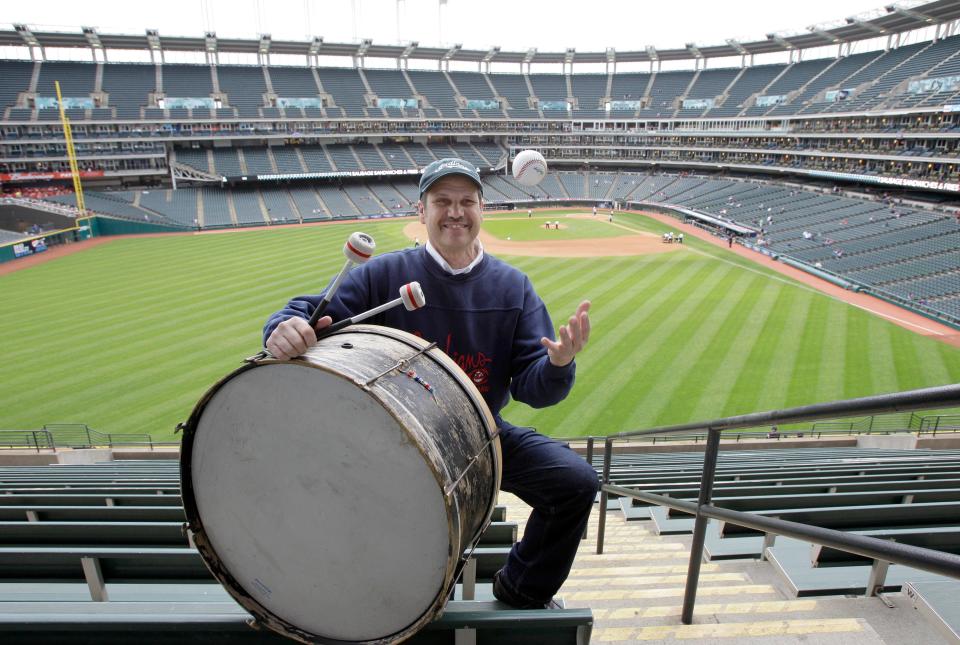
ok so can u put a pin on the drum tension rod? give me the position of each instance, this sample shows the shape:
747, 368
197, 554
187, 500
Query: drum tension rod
473, 460
399, 365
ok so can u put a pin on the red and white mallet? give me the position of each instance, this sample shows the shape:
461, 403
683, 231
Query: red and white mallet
358, 248
411, 297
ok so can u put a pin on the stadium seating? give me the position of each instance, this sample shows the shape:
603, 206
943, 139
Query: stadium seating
66, 546
245, 88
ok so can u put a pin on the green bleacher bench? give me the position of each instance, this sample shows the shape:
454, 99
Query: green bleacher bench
81, 499
106, 514
937, 601
148, 623
791, 559
938, 538
102, 566
853, 518
58, 528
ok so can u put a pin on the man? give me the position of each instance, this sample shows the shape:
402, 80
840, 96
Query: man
484, 314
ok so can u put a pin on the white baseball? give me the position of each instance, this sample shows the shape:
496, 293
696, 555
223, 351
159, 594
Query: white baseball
529, 167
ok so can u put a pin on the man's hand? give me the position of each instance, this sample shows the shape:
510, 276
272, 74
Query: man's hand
571, 338
293, 337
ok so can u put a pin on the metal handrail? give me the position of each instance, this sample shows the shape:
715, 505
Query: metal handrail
917, 557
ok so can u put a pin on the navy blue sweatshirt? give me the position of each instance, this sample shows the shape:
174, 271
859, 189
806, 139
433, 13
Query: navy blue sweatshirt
489, 321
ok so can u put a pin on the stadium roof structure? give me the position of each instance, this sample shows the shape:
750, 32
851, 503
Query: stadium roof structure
893, 20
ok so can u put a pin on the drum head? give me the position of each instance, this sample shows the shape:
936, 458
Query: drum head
318, 504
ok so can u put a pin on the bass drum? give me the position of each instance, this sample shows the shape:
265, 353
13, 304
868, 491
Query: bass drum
333, 495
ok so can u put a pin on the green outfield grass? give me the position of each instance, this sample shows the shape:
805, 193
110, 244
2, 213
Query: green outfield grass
128, 335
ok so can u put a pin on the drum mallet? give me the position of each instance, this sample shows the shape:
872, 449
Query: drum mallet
411, 297
358, 249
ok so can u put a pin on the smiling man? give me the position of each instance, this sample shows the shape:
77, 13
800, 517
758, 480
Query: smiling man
487, 317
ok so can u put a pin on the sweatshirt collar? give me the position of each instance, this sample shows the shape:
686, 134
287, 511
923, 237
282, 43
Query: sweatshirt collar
446, 265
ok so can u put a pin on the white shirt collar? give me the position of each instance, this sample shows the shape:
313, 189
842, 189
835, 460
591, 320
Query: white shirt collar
446, 265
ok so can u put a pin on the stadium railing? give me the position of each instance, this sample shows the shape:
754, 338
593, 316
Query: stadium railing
70, 435
881, 552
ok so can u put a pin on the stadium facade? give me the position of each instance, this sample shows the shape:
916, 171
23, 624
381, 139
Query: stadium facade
845, 165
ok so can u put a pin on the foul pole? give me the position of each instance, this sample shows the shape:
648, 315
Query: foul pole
71, 155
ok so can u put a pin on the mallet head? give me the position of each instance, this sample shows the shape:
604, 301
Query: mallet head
412, 296
359, 248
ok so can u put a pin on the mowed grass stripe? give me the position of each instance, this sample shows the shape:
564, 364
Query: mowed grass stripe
635, 348
691, 345
880, 353
858, 375
806, 373
616, 300
831, 369
750, 380
687, 341
716, 397
786, 351
702, 372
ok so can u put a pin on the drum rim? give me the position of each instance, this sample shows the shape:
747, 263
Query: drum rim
212, 560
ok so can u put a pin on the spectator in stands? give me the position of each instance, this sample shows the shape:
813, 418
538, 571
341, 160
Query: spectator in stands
513, 351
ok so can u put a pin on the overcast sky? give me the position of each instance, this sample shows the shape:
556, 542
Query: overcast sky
587, 25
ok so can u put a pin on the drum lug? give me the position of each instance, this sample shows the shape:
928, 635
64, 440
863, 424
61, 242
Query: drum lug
180, 427
259, 356
187, 533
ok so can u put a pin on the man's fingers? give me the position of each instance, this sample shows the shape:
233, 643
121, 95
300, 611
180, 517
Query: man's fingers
585, 325
283, 349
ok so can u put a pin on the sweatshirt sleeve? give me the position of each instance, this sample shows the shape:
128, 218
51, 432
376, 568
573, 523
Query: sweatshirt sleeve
535, 380
351, 298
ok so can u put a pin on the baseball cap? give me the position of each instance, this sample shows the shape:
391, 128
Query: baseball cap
449, 166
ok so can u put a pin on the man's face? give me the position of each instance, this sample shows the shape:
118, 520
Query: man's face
452, 211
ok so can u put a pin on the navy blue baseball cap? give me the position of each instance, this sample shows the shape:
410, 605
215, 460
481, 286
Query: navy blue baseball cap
449, 166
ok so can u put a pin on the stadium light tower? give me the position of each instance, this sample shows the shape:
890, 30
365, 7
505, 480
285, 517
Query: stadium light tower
654, 57
740, 50
916, 15
869, 26
153, 44
611, 60
404, 58
697, 56
488, 58
210, 48
449, 55
263, 50
313, 52
30, 40
362, 52
912, 13
93, 39
528, 59
777, 38
568, 59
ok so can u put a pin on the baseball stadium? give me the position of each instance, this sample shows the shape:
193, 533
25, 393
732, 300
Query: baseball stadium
767, 231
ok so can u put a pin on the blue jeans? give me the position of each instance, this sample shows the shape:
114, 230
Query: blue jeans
561, 487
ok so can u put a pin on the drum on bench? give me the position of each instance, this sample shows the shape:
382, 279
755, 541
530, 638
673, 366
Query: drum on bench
333, 495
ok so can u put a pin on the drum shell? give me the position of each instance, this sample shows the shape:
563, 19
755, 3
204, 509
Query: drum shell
431, 401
